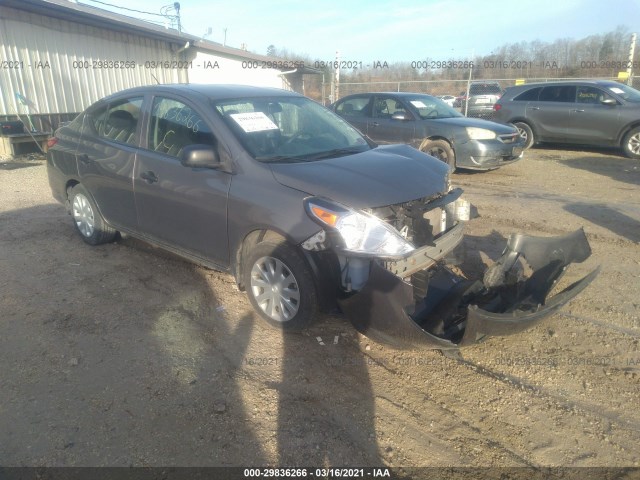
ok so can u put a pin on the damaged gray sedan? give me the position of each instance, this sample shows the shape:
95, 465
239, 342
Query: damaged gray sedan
305, 212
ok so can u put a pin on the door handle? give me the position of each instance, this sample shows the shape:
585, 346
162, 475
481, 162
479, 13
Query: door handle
85, 159
534, 108
576, 110
149, 177
375, 124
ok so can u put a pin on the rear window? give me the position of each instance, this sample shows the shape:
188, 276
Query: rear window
484, 88
528, 95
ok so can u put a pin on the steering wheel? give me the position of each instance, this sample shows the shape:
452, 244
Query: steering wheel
432, 113
301, 135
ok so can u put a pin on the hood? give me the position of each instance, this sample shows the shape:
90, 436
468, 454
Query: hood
463, 122
385, 175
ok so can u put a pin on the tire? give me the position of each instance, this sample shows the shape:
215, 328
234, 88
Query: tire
526, 133
87, 219
441, 150
631, 143
280, 286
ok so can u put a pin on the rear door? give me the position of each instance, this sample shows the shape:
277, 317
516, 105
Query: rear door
382, 128
356, 110
106, 155
550, 115
591, 122
182, 207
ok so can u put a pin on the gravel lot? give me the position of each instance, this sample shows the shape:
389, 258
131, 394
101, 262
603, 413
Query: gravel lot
125, 355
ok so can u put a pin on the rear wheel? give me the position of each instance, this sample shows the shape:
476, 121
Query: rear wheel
87, 219
526, 133
280, 285
441, 150
631, 143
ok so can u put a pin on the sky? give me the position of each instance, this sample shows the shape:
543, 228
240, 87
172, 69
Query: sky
391, 31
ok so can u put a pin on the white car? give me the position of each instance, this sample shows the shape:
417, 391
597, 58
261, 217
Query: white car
448, 99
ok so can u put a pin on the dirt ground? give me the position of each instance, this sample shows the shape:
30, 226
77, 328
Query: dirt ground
125, 355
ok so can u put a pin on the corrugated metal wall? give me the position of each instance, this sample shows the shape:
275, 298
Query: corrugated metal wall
66, 85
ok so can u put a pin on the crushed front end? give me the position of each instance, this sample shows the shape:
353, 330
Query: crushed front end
411, 297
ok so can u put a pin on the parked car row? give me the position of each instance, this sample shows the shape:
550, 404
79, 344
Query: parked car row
431, 126
307, 213
597, 112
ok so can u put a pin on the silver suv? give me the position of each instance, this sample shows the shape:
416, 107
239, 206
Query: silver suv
586, 112
482, 98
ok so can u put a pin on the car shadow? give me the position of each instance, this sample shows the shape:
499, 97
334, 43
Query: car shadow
607, 217
138, 358
620, 169
17, 165
609, 151
321, 419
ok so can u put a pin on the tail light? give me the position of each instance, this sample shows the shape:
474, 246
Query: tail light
51, 142
497, 106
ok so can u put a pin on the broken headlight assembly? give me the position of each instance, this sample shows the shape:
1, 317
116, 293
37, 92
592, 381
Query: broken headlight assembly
358, 233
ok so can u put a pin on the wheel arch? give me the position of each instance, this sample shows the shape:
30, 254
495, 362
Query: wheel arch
72, 182
324, 275
423, 141
524, 120
625, 130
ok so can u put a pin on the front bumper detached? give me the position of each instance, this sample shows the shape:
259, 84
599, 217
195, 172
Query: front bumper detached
457, 312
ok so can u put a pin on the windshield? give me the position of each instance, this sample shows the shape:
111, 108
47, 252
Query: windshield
429, 107
289, 129
627, 93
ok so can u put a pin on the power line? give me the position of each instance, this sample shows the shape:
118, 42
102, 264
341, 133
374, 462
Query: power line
125, 8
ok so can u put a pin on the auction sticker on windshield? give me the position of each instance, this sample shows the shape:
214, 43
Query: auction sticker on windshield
418, 104
254, 122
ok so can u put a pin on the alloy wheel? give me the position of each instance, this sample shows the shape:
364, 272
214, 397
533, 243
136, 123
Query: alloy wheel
633, 144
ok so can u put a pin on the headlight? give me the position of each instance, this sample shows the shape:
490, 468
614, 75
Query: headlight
476, 133
361, 232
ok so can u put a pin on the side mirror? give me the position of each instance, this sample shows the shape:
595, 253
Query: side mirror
399, 116
200, 156
609, 101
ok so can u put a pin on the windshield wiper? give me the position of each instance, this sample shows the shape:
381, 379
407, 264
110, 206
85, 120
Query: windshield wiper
280, 158
336, 152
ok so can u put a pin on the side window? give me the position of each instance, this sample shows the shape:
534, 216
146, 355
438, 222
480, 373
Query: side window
119, 121
354, 107
174, 125
529, 95
586, 94
96, 119
383, 107
558, 93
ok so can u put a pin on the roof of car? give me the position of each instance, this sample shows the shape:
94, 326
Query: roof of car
570, 82
397, 94
216, 92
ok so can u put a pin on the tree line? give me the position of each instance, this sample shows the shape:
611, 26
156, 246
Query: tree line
594, 56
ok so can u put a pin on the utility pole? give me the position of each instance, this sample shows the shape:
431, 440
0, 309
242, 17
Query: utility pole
630, 62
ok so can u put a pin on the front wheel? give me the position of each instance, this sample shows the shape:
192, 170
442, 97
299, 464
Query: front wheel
280, 286
631, 143
441, 150
526, 133
87, 219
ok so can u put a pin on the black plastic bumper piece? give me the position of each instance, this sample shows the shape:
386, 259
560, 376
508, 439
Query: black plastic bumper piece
458, 312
